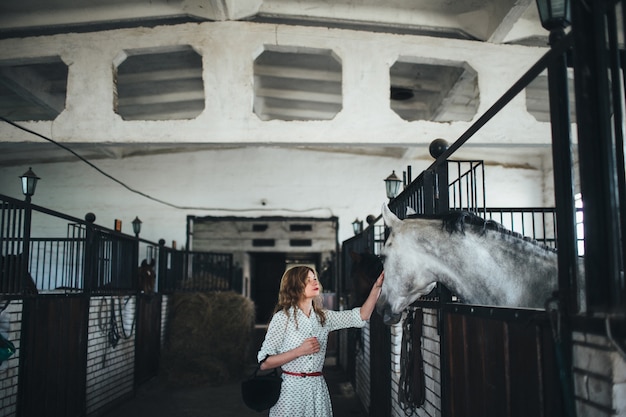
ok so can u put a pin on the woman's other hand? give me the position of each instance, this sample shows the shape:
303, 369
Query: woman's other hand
309, 346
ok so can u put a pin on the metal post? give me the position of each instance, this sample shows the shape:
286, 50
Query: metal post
90, 262
565, 215
25, 260
563, 176
598, 172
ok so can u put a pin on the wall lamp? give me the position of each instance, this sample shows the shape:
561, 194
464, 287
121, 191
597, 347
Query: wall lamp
136, 226
29, 183
554, 14
392, 185
357, 226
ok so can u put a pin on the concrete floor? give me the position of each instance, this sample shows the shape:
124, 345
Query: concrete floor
157, 398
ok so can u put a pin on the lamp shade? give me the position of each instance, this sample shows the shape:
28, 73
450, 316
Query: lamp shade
136, 226
29, 182
392, 185
554, 14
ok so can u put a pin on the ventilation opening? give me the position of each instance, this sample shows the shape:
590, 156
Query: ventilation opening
300, 227
538, 98
33, 91
297, 84
435, 92
300, 242
159, 85
263, 242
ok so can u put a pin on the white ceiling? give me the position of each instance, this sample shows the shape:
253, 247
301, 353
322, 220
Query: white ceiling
301, 85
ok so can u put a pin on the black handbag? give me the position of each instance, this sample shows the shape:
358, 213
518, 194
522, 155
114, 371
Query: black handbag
261, 392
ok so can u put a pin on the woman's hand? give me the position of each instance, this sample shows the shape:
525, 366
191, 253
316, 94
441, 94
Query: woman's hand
380, 280
309, 346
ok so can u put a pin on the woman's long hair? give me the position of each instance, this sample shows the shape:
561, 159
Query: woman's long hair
292, 286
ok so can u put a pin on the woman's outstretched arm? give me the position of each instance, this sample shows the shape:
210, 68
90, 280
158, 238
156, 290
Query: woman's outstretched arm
368, 306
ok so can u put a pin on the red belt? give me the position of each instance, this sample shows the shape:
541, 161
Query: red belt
303, 374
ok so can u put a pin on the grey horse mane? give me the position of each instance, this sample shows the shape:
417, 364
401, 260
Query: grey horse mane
455, 221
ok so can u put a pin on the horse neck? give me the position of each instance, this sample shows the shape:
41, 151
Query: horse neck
498, 270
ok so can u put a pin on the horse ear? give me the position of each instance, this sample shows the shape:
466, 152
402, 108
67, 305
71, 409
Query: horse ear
389, 218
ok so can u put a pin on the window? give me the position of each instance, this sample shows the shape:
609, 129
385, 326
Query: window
263, 242
580, 229
300, 242
300, 227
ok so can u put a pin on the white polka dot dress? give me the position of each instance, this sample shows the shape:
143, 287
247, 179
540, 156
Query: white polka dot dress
304, 396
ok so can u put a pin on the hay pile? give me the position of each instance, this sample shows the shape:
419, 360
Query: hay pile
210, 336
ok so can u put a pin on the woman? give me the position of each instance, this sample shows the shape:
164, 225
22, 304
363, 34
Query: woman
296, 340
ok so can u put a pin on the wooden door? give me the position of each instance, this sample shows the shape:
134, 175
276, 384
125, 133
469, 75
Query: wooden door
53, 357
148, 337
267, 270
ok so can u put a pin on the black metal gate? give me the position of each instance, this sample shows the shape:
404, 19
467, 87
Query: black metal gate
380, 334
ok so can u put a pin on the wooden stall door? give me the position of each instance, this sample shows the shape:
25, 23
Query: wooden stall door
500, 368
148, 337
53, 357
380, 367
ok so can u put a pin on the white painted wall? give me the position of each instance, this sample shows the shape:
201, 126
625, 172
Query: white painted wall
291, 182
228, 50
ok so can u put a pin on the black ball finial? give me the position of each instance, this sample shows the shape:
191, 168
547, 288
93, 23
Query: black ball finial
438, 147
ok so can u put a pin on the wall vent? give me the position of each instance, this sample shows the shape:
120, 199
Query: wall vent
300, 242
263, 242
300, 227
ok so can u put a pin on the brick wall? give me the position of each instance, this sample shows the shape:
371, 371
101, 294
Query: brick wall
110, 366
430, 354
363, 367
110, 369
10, 327
599, 376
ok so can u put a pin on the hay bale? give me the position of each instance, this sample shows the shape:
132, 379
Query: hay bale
210, 336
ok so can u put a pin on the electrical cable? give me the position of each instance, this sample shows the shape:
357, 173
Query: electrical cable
135, 191
121, 314
614, 342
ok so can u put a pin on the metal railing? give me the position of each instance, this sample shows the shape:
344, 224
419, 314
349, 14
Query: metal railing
93, 259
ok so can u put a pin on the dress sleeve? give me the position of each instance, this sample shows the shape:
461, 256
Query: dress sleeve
274, 336
343, 319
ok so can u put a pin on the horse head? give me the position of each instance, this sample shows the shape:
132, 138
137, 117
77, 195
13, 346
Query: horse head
406, 277
366, 268
147, 276
479, 260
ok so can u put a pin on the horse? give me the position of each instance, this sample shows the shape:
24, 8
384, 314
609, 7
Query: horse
13, 279
365, 269
478, 260
147, 277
